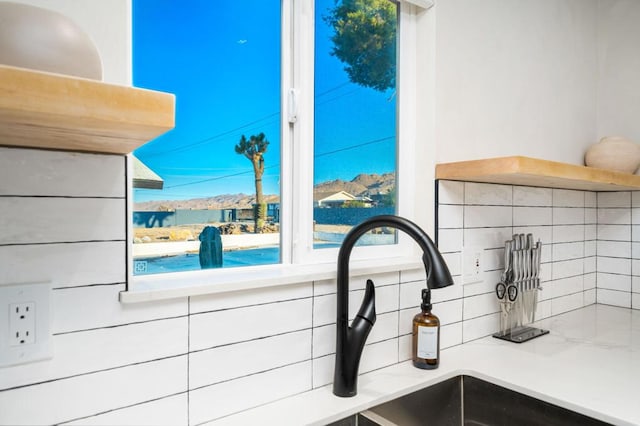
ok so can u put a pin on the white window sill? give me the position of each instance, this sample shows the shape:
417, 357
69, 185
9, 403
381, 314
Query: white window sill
148, 288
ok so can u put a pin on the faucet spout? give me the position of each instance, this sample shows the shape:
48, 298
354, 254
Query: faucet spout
350, 340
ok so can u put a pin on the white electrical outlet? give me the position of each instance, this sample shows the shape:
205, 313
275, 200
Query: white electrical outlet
25, 333
22, 323
472, 265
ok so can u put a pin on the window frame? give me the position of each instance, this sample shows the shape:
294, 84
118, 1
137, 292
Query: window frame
299, 261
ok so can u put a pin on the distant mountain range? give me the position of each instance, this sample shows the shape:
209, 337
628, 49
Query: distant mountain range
363, 184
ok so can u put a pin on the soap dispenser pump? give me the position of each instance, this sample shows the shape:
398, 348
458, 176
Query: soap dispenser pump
426, 335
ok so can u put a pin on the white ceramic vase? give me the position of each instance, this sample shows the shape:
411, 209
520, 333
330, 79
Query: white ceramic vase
614, 153
44, 40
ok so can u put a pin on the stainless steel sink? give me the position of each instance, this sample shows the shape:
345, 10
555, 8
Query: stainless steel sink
466, 400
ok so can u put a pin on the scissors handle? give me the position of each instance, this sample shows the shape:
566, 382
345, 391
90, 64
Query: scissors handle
512, 292
501, 290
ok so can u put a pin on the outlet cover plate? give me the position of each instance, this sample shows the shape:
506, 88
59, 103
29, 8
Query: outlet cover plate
25, 308
472, 265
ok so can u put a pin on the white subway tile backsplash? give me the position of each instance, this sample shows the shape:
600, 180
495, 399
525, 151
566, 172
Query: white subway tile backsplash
590, 248
378, 355
480, 327
614, 199
532, 216
614, 248
614, 265
613, 297
55, 220
590, 232
242, 359
85, 308
480, 305
567, 286
568, 216
323, 370
567, 303
385, 328
90, 394
206, 303
451, 335
411, 275
567, 251
589, 281
487, 237
635, 300
169, 411
53, 173
450, 240
324, 340
448, 312
532, 196
454, 262
488, 194
101, 262
102, 349
567, 268
617, 282
614, 232
487, 216
212, 402
568, 198
219, 328
614, 216
568, 233
589, 297
450, 216
450, 192
591, 253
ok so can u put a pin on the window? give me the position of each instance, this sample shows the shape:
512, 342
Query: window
286, 135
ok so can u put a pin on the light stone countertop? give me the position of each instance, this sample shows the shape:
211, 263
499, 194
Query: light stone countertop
588, 363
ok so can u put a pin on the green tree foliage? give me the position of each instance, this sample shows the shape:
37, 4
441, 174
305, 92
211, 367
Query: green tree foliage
254, 149
352, 204
365, 40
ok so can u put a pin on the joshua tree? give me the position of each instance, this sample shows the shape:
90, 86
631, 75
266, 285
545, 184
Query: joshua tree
253, 149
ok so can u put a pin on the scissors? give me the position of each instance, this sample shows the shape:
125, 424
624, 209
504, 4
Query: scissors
506, 291
507, 294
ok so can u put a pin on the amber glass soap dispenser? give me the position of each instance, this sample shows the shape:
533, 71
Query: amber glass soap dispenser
426, 335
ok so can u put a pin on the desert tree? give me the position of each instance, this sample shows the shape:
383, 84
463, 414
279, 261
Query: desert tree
364, 40
254, 149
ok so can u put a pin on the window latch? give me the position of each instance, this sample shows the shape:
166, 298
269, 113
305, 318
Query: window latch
292, 107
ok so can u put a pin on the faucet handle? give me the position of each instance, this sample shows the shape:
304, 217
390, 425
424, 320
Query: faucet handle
368, 308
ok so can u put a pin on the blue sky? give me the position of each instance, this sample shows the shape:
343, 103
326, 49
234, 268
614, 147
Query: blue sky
223, 64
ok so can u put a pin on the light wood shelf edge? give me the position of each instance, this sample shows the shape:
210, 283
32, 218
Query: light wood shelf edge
526, 171
54, 111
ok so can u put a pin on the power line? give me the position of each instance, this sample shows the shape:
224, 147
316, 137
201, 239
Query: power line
186, 147
371, 142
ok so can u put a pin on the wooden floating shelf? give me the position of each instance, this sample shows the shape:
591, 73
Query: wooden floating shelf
527, 171
53, 111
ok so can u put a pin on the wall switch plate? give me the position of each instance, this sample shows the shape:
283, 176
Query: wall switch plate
25, 334
472, 265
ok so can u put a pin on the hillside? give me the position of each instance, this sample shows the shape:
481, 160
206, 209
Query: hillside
363, 184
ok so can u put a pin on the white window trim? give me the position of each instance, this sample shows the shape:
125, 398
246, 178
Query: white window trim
415, 175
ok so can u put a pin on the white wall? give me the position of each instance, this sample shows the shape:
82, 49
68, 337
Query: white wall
515, 78
619, 68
